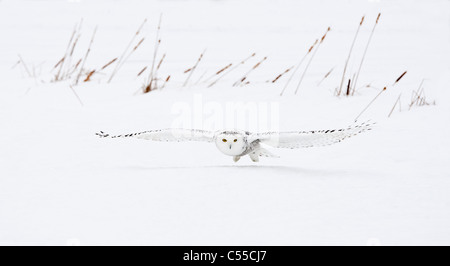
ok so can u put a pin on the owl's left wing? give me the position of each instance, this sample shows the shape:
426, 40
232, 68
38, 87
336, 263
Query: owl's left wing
172, 134
307, 139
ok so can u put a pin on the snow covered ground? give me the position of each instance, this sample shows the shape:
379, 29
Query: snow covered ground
60, 184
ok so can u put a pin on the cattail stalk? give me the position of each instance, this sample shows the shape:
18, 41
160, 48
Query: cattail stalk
61, 65
348, 87
165, 82
355, 83
248, 72
89, 75
130, 53
282, 74
192, 70
25, 66
66, 66
231, 69
371, 102
201, 77
396, 102
67, 72
399, 78
310, 59
418, 93
76, 95
218, 72
86, 56
57, 64
75, 67
298, 66
109, 63
325, 77
156, 71
384, 89
121, 58
349, 55
151, 76
142, 71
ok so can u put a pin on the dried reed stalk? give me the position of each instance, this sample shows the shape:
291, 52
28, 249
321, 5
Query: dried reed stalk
395, 104
86, 56
75, 67
76, 95
310, 59
25, 66
68, 71
384, 89
149, 86
192, 69
418, 97
57, 64
218, 72
298, 66
231, 69
165, 82
157, 69
371, 102
399, 78
124, 54
348, 87
61, 62
355, 83
109, 63
325, 77
240, 81
142, 71
89, 75
349, 55
68, 61
130, 53
282, 74
201, 77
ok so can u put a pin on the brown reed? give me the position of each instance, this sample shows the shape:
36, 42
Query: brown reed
349, 55
355, 83
310, 60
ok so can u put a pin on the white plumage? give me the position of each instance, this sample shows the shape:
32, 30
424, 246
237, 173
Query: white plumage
241, 143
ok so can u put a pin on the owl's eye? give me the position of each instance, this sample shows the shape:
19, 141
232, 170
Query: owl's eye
235, 140
224, 140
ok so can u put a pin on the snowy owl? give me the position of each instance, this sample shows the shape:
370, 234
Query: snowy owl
240, 143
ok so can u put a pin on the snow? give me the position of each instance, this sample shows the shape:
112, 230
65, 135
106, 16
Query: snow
60, 184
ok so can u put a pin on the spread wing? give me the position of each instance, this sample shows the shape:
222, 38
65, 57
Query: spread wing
177, 135
307, 139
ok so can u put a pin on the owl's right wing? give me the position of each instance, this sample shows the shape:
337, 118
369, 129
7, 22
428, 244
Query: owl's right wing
176, 135
306, 139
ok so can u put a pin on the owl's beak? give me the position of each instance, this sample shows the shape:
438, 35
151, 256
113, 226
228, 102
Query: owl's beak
230, 146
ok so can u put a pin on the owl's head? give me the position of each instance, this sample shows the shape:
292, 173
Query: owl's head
231, 143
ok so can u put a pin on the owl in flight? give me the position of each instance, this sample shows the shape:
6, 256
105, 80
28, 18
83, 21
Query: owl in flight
240, 143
